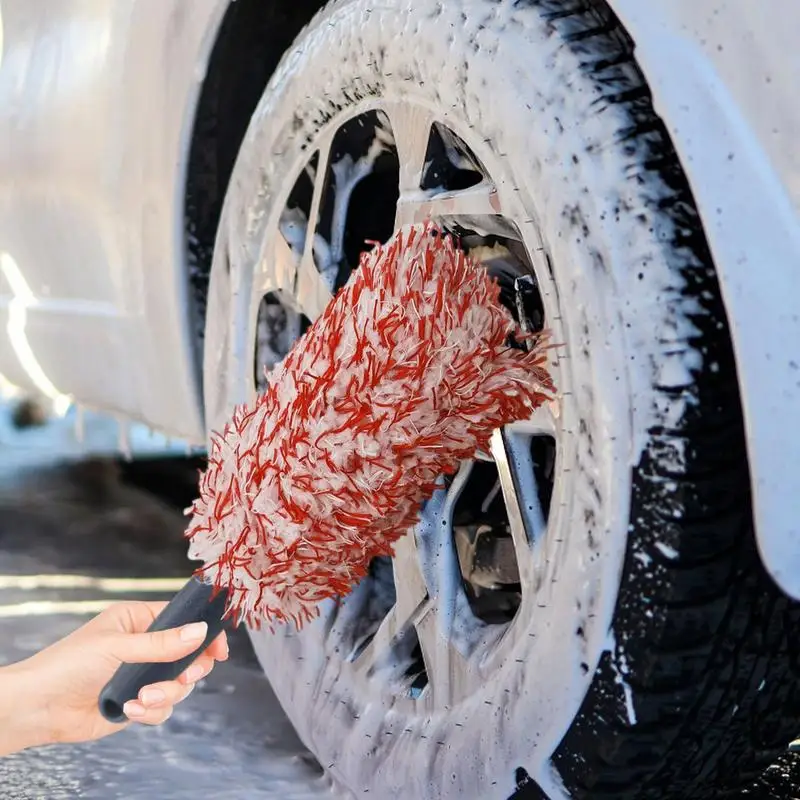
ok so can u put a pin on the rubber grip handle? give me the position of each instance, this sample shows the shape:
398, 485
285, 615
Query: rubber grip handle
193, 603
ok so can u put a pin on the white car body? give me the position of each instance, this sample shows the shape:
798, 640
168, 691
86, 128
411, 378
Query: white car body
97, 102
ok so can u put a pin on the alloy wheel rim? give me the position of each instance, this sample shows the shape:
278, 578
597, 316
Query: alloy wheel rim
410, 631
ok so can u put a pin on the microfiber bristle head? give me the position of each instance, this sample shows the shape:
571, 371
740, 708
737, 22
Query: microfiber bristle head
407, 373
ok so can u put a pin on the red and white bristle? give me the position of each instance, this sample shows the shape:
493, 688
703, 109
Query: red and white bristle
406, 373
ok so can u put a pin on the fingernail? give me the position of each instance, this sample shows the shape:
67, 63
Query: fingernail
194, 632
194, 673
152, 696
133, 709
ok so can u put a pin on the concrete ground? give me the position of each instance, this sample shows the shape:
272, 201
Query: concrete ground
94, 518
229, 740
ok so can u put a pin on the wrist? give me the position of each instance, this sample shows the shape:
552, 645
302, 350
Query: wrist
23, 715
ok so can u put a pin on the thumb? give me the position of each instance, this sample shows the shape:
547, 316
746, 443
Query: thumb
159, 646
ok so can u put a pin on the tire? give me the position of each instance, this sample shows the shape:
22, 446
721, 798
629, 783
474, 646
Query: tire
656, 660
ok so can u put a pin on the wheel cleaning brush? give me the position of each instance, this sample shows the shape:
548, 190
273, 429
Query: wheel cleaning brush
404, 375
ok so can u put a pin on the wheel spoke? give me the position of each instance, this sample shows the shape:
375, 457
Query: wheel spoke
276, 271
411, 128
411, 604
442, 574
445, 665
312, 293
392, 627
310, 290
316, 197
427, 580
436, 548
481, 200
515, 468
410, 587
276, 276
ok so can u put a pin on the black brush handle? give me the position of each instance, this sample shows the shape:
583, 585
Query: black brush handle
193, 603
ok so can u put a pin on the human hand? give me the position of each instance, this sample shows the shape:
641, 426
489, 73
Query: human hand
58, 688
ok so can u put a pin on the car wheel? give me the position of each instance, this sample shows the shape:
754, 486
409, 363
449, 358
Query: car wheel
580, 612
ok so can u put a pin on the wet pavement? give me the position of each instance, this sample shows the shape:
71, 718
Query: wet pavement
76, 537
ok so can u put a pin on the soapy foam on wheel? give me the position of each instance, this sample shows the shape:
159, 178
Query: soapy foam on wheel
525, 116
406, 373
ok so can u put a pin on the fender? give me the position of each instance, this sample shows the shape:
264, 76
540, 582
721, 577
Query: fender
97, 103
723, 78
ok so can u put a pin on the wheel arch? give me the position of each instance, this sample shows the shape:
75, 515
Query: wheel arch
730, 112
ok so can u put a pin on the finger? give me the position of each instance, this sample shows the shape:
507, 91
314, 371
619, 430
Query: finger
166, 693
136, 712
133, 616
128, 617
197, 671
158, 646
218, 649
